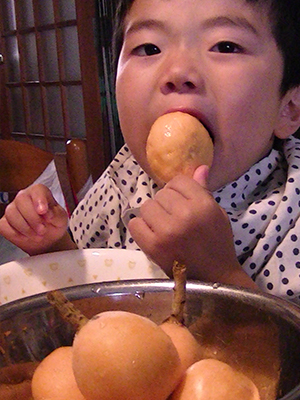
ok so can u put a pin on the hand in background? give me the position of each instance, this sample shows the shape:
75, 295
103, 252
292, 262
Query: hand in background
34, 221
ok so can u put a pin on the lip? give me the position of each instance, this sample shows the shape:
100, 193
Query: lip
194, 113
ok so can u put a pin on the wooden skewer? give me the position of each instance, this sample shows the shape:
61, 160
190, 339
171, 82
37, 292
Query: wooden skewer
179, 294
74, 316
67, 309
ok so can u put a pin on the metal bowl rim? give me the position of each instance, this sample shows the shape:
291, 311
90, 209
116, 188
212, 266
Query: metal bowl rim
267, 302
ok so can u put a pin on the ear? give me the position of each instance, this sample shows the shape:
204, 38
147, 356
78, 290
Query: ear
289, 116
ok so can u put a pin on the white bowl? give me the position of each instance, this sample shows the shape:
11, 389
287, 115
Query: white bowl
32, 275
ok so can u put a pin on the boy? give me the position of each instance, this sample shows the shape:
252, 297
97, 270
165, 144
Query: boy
234, 64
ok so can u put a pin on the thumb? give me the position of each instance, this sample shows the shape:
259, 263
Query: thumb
201, 175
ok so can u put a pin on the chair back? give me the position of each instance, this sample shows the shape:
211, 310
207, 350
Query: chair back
22, 163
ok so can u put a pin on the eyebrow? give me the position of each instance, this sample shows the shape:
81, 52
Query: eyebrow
214, 22
145, 24
235, 21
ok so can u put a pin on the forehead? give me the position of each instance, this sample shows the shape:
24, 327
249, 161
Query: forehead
144, 5
127, 4
255, 11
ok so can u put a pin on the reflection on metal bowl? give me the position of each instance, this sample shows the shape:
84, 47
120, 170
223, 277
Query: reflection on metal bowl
256, 333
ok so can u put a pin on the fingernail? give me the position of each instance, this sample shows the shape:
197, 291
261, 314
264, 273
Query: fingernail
41, 207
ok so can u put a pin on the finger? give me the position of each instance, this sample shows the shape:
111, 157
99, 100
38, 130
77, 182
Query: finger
15, 236
25, 213
147, 240
154, 215
47, 207
170, 200
23, 219
143, 235
201, 175
140, 230
186, 186
56, 216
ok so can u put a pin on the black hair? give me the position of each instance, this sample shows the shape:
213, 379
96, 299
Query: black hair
123, 7
285, 21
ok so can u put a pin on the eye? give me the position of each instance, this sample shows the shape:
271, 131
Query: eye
227, 47
147, 49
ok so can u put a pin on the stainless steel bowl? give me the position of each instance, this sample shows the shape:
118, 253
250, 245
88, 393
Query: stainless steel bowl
256, 333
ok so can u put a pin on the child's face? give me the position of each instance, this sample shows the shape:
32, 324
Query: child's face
216, 59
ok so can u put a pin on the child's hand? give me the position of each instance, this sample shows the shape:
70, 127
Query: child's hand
184, 223
34, 221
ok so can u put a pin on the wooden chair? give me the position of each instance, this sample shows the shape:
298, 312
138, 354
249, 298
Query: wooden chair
22, 163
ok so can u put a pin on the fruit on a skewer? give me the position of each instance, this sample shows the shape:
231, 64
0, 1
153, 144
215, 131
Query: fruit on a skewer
178, 143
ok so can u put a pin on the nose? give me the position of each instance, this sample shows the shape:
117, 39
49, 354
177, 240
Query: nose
181, 74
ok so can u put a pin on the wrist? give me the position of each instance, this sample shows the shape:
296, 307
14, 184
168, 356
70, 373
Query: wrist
238, 277
228, 274
64, 243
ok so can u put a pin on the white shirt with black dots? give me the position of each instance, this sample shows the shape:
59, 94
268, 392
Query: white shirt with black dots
263, 206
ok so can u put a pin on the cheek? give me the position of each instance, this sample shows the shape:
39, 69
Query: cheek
123, 100
129, 99
125, 105
245, 121
251, 88
264, 99
132, 120
253, 106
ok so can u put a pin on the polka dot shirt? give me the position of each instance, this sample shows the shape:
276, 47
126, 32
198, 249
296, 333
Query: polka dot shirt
100, 219
263, 206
